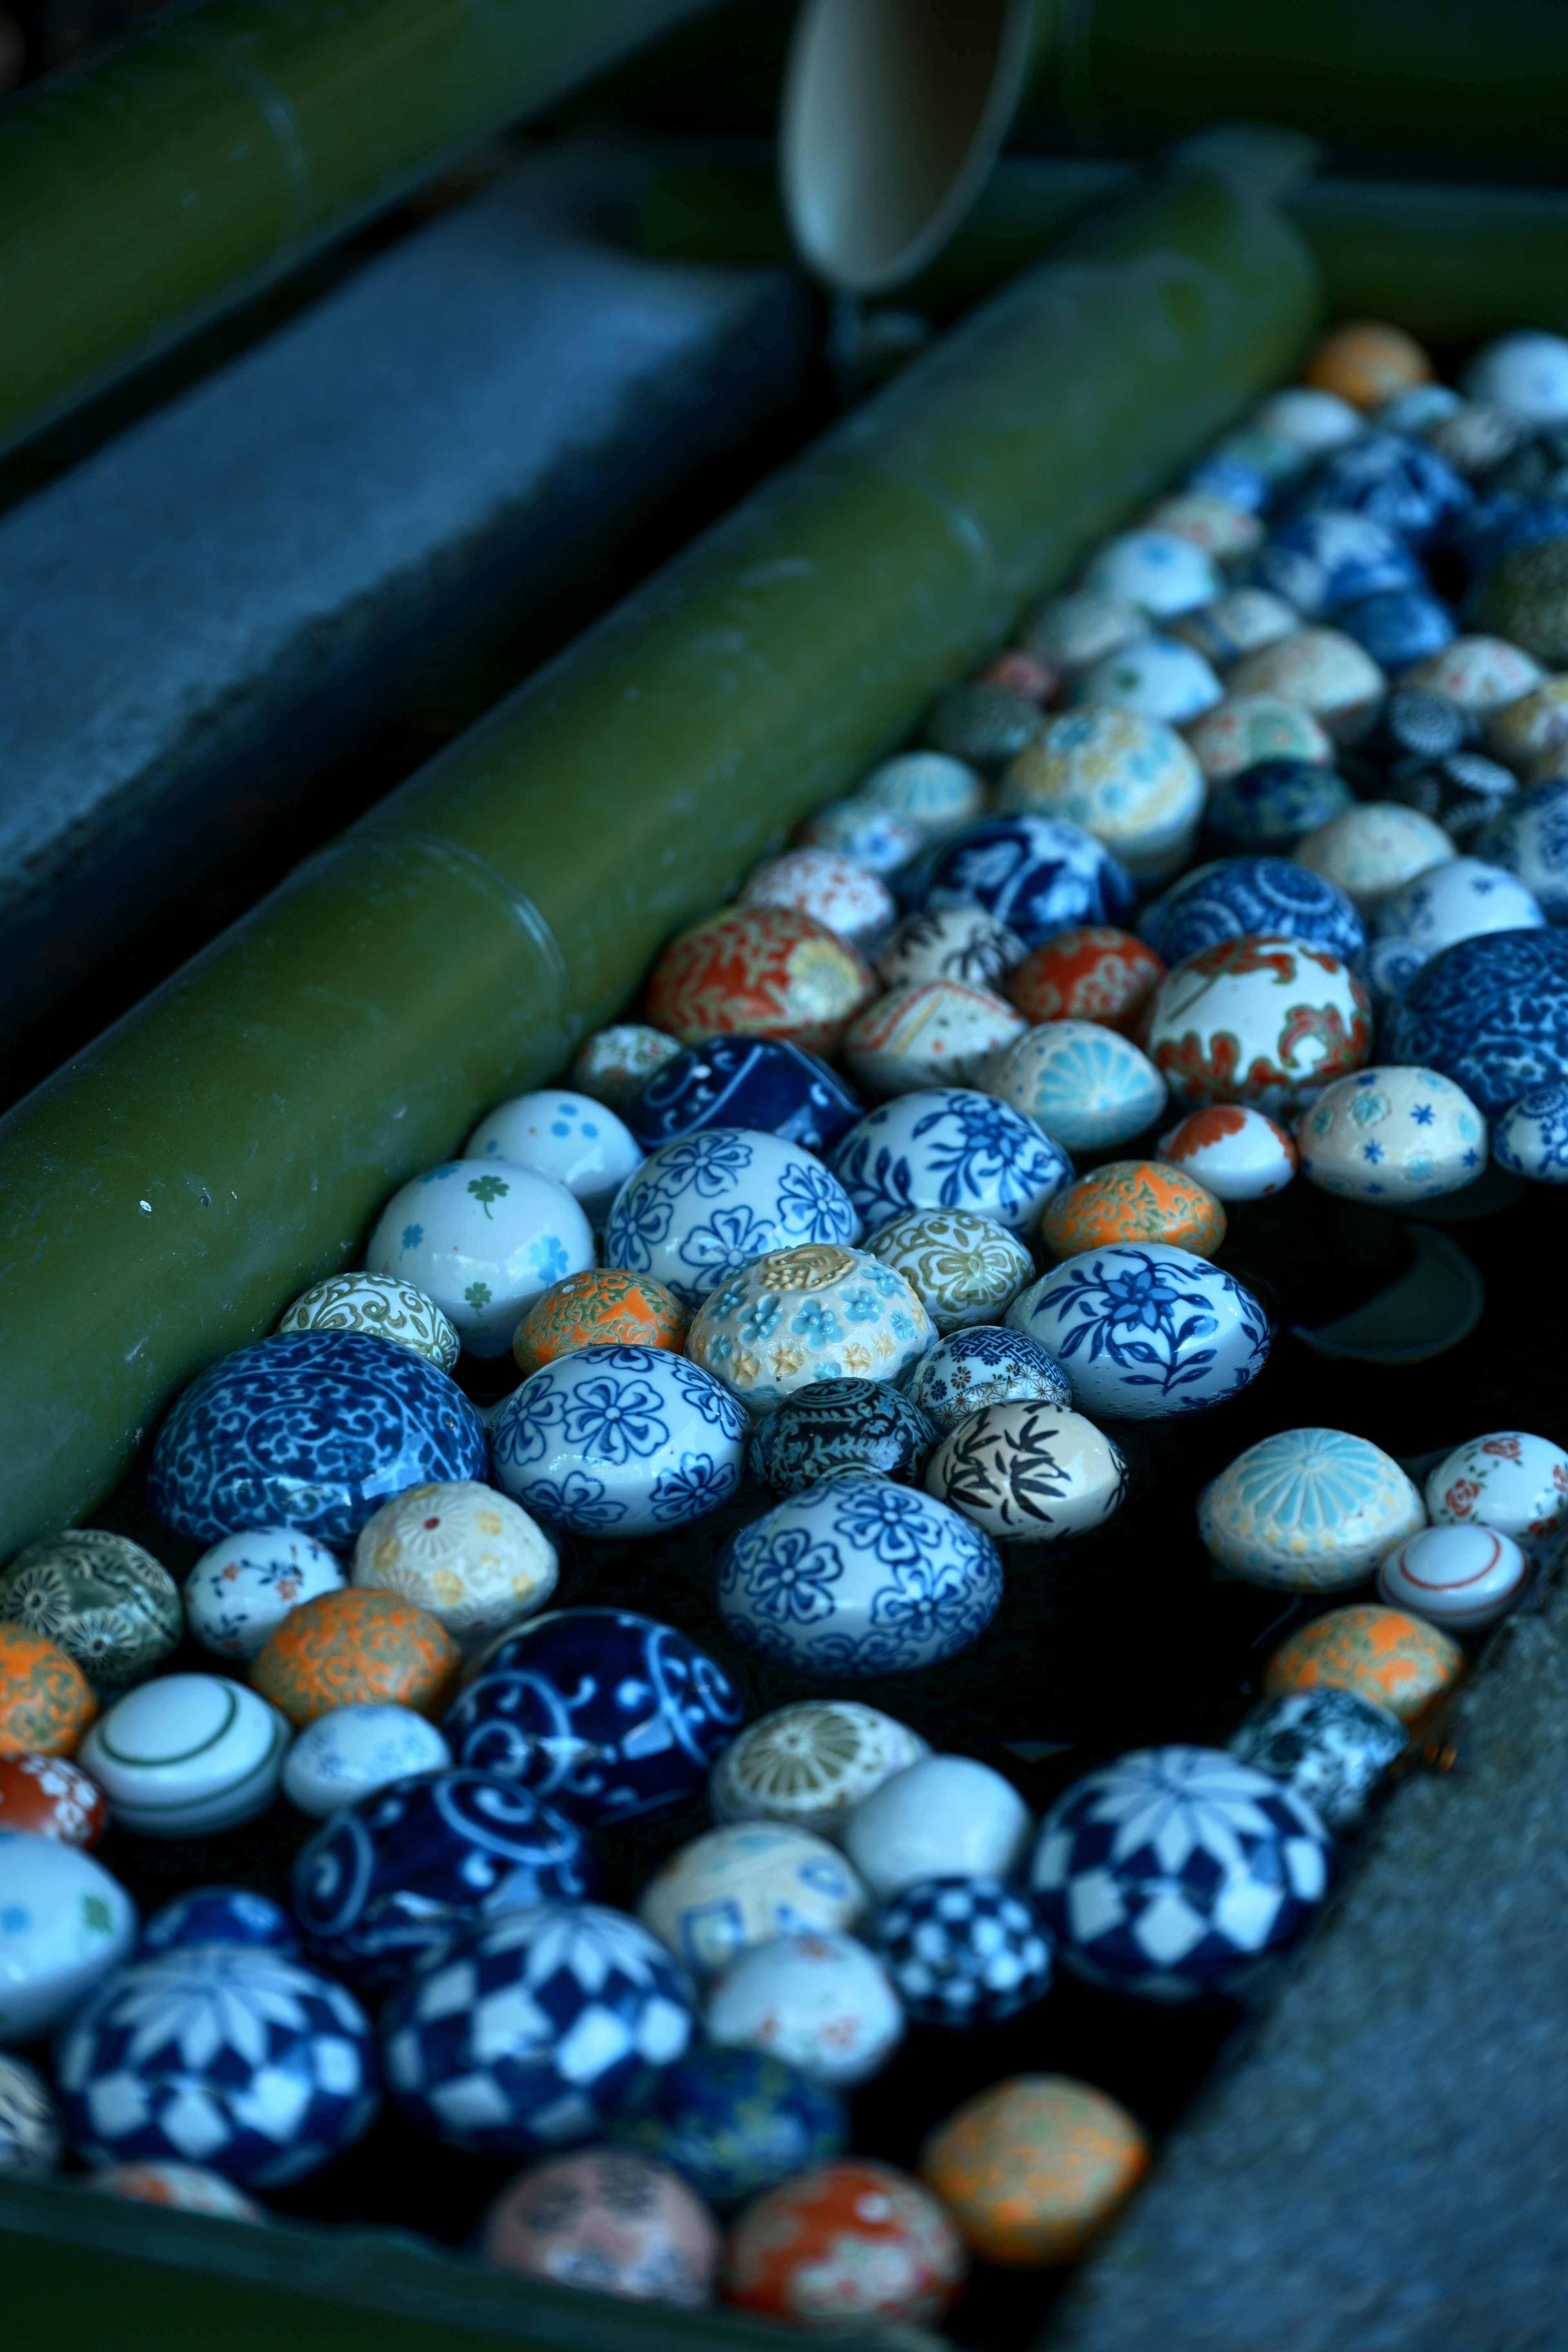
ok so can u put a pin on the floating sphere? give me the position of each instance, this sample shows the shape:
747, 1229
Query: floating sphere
832, 1425
352, 1751
49, 1798
623, 1440
1088, 973
961, 1267
844, 2243
856, 1576
1034, 2167
32, 2136
186, 1755
1036, 874
101, 1598
45, 1700
963, 1951
382, 1304
945, 1816
484, 1241
1236, 1153
221, 1915
1530, 1138
766, 971
1393, 1133
809, 1765
1133, 1200
1491, 1013
1144, 1330
1083, 1084
1261, 1021
1237, 896
1332, 1749
1177, 1870
845, 897
611, 2220
1507, 1480
744, 1884
615, 1064
310, 1433
244, 1585
962, 944
822, 2002
765, 1084
1027, 1473
928, 1032
1461, 1578
600, 1308
68, 1923
467, 1556
1383, 1655
982, 1365
733, 2121
354, 1648
949, 1149
697, 1210
1308, 1510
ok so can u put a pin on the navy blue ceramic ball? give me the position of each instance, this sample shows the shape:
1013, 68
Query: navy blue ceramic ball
1490, 1013
1251, 894
765, 1084
1321, 562
386, 1880
963, 1951
1275, 802
311, 1432
1399, 483
734, 2122
833, 1425
1399, 627
606, 1714
220, 1915
1039, 875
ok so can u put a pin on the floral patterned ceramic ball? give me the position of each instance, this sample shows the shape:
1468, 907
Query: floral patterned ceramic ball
1307, 1511
822, 2002
949, 1149
600, 1308
1529, 837
984, 1364
932, 789
49, 1798
1034, 2167
1090, 972
309, 1433
844, 2243
733, 2121
932, 1031
1142, 1330
526, 2031
1394, 1133
963, 1951
1322, 671
850, 901
744, 1884
1176, 1871
842, 1423
45, 1700
768, 972
244, 1585
1028, 1474
1508, 1480
381, 1304
469, 1556
101, 1598
1324, 561
352, 1751
697, 1210
615, 1064
1383, 1655
1262, 1021
857, 1576
1331, 1747
798, 1316
607, 1715
611, 2220
1133, 1200
32, 2136
1244, 894
622, 1439
1122, 773
1236, 1152
961, 1267
484, 1241
761, 1083
962, 944
241, 2058
811, 1764
575, 1140
1082, 1082
1036, 874
353, 1648
1491, 1013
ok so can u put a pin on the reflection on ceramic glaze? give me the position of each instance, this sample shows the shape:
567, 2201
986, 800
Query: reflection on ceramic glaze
702, 1208
1146, 1331
623, 1439
761, 1083
949, 1149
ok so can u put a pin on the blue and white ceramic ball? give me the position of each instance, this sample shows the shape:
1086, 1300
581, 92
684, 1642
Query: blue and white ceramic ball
699, 1210
577, 1141
220, 1915
762, 1084
1398, 626
605, 1713
858, 1576
1085, 1085
1529, 837
1275, 802
1401, 484
835, 1425
1036, 874
1177, 1870
963, 1951
1457, 900
798, 1316
986, 1364
242, 1588
1530, 1138
1322, 562
1251, 894
227, 2056
1388, 966
1526, 372
386, 1880
1144, 1330
1490, 1013
619, 1440
950, 1148
310, 1434
733, 2121
527, 2032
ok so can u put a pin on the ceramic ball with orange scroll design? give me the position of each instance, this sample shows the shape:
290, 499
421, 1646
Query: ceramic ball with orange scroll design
45, 1700
1092, 972
1033, 2167
356, 1648
1133, 1200
769, 971
600, 1308
1395, 1661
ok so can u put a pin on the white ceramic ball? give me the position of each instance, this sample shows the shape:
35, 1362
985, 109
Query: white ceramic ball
821, 2002
945, 1817
744, 1884
1458, 1577
352, 1751
66, 1922
574, 1138
246, 1584
188, 1754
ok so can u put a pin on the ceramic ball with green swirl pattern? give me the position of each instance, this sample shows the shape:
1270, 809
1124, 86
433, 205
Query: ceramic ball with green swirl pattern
814, 1313
1307, 1511
381, 1304
963, 1267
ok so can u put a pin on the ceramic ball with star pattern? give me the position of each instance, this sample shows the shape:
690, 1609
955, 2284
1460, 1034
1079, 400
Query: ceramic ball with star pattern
1144, 1329
619, 1440
699, 1210
951, 1148
963, 1267
1393, 1133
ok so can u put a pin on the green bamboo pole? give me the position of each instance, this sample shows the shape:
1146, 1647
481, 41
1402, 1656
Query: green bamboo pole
191, 163
165, 1195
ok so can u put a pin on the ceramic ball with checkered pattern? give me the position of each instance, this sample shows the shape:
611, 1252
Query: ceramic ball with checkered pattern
226, 2055
530, 2030
1178, 1871
963, 1951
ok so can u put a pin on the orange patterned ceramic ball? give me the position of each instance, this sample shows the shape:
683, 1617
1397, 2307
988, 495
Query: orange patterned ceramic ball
1033, 2167
845, 2241
1090, 973
1367, 363
356, 1648
1133, 1200
51, 1799
766, 971
600, 1308
1397, 1661
46, 1702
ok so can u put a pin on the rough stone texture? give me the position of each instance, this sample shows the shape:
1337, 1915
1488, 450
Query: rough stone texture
1383, 2166
201, 617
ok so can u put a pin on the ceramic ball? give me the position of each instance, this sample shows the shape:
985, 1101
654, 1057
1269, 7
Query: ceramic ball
1480, 675
1384, 1655
822, 2002
1121, 773
1237, 622
1393, 1133
845, 2246
45, 1700
1083, 1084
467, 1556
949, 1149
925, 1034
764, 1084
1372, 848
932, 789
1530, 1138
355, 1648
1155, 571
1029, 1474
962, 944
1392, 480
1237, 896
1507, 1480
1036, 874
599, 1309
1262, 1022
1142, 1330
963, 1951
1250, 730
1309, 1510
1457, 900
983, 725
67, 1923
1235, 1151
845, 897
769, 972
614, 1065
832, 1425
879, 838
1090, 973
961, 1267
101, 1598
32, 2136
352, 1751
1461, 1578
1327, 562
221, 1915
179, 2187
941, 1816
809, 1765
733, 2121
1132, 1200
1526, 372
620, 1439
1073, 630
1320, 671
1273, 804
1529, 730
744, 1884
984, 1364
856, 1577
1521, 594
381, 1304
1034, 2167
611, 2220
1526, 837
483, 1242
578, 1141
1025, 673
1491, 1013
1314, 416
49, 1798
244, 1585
186, 1755
700, 1210
1332, 1749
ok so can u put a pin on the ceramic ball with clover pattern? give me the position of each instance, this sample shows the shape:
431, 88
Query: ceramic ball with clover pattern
619, 1440
1307, 1511
1394, 1133
699, 1210
483, 1242
859, 1577
798, 1316
381, 1304
963, 1267
575, 1139
1260, 1020
1144, 1329
949, 1149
